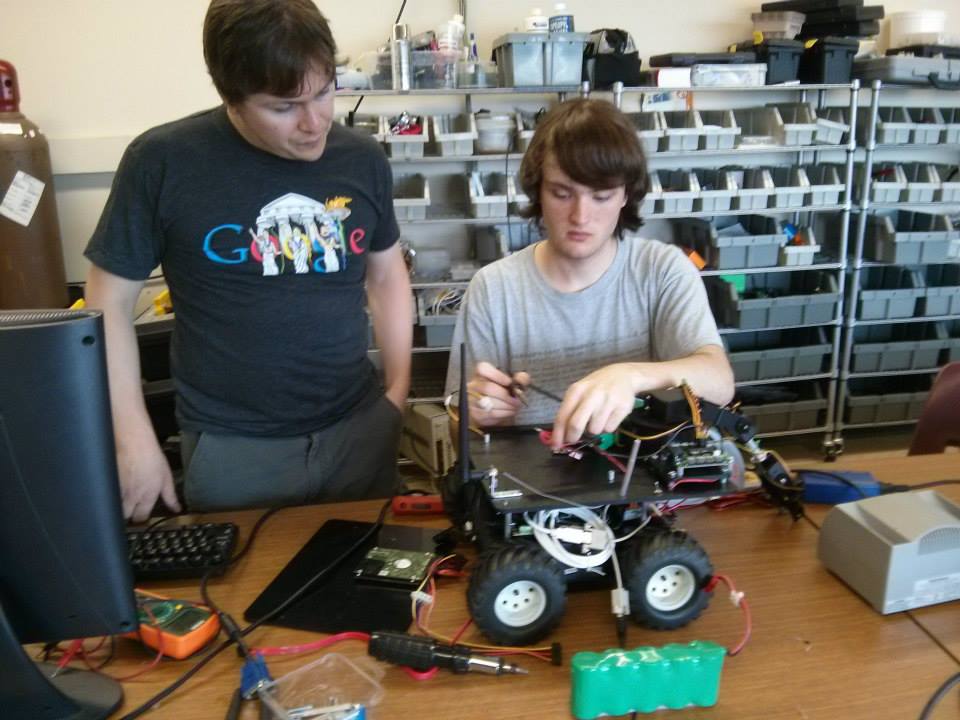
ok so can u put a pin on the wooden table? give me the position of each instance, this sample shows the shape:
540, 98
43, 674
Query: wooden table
818, 651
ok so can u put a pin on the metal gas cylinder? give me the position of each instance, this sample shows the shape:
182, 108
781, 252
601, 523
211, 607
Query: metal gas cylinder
31, 253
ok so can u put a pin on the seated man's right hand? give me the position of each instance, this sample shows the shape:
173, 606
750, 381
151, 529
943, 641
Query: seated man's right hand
144, 476
491, 400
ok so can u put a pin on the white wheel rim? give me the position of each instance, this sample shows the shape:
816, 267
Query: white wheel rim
670, 588
520, 603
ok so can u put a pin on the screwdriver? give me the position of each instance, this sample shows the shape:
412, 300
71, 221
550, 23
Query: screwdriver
424, 653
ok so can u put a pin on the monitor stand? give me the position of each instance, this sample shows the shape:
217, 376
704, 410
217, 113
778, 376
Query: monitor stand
30, 691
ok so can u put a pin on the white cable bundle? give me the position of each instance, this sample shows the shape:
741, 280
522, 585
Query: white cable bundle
551, 538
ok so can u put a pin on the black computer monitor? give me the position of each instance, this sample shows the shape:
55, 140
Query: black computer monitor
64, 571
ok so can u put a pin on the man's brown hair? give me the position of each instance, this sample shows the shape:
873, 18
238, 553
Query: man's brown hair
595, 145
268, 46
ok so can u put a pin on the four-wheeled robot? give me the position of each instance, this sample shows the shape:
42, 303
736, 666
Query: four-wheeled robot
599, 513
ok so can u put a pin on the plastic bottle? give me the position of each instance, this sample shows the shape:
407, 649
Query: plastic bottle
561, 21
450, 37
537, 21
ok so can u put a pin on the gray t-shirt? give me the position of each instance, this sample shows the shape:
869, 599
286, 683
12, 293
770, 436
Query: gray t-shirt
650, 305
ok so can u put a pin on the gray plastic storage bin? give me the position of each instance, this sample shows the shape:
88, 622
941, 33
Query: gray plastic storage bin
790, 186
404, 146
775, 300
906, 237
807, 409
928, 125
759, 126
870, 400
520, 59
953, 333
802, 250
720, 130
649, 129
894, 126
951, 125
907, 70
653, 196
825, 184
526, 126
454, 135
833, 126
678, 190
948, 176
495, 132
411, 196
769, 354
682, 130
754, 188
488, 194
887, 293
799, 123
887, 182
364, 123
717, 190
749, 241
563, 58
922, 182
898, 346
943, 290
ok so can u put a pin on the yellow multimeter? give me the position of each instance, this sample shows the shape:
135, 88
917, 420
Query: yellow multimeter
178, 628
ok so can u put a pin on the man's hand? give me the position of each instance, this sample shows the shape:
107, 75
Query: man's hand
597, 403
492, 399
144, 476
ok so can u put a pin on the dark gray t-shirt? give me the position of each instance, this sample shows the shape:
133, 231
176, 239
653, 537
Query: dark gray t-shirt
650, 305
265, 259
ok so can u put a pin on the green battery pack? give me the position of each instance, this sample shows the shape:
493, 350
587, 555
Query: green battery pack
619, 682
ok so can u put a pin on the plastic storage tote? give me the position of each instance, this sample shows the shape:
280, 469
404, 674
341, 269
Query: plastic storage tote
802, 406
898, 346
902, 69
520, 59
678, 190
833, 126
888, 293
769, 354
799, 123
928, 125
731, 76
488, 194
826, 186
870, 401
943, 290
790, 187
778, 24
410, 145
454, 135
948, 177
829, 60
755, 188
495, 132
411, 196
923, 183
748, 241
563, 59
720, 130
759, 126
905, 237
781, 56
649, 127
894, 126
717, 190
682, 130
775, 300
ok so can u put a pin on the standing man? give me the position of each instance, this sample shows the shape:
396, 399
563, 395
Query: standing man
586, 313
268, 219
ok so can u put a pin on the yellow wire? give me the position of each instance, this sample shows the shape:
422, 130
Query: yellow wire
650, 437
456, 417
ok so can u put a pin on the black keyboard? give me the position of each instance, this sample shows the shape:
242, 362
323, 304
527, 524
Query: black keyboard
183, 551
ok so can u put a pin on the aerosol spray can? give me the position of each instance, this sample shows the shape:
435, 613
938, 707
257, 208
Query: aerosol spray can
400, 57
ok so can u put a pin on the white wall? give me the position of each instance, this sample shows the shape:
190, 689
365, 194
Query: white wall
95, 73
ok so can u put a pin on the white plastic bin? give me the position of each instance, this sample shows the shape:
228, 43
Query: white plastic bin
720, 130
454, 135
799, 123
717, 190
825, 184
411, 197
679, 189
833, 126
923, 183
649, 127
759, 126
525, 127
733, 75
801, 254
488, 194
778, 24
790, 187
887, 184
682, 130
563, 59
928, 125
520, 59
404, 146
754, 188
949, 179
495, 132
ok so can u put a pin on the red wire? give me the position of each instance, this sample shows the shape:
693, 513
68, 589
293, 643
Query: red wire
310, 647
742, 602
461, 631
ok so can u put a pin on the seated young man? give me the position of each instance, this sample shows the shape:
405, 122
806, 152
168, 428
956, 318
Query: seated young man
588, 313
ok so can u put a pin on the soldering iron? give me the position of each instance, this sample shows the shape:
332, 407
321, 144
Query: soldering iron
424, 653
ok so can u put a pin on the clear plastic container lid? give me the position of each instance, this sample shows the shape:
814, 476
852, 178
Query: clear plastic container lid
332, 680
